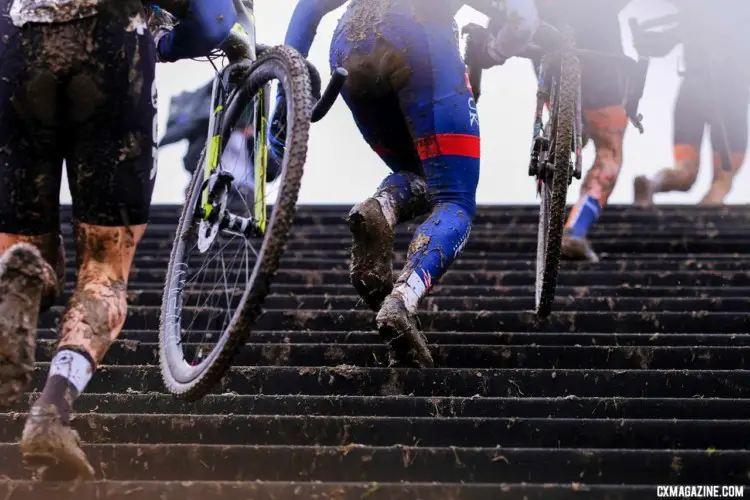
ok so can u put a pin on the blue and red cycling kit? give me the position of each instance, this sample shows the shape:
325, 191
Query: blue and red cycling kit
409, 95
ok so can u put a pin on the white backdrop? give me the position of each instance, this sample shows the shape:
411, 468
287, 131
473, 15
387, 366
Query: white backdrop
338, 156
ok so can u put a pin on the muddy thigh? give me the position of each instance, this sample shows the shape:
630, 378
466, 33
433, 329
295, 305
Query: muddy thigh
96, 312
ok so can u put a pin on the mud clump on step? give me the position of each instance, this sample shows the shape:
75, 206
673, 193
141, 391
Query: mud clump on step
393, 387
335, 354
277, 354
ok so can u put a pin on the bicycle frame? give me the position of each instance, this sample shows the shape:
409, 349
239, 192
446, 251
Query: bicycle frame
239, 48
546, 91
544, 88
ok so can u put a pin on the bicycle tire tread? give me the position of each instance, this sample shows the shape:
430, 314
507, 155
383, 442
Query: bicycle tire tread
569, 82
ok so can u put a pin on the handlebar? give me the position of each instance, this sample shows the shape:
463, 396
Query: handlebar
333, 89
331, 92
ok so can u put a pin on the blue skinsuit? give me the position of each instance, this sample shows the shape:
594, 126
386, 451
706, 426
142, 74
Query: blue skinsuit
408, 93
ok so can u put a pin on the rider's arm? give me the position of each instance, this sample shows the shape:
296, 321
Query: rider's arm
519, 21
305, 20
205, 27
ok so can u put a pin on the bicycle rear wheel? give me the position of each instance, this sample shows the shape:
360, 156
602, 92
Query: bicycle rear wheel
222, 318
554, 184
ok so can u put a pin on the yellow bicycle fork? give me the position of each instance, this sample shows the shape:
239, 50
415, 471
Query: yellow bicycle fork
260, 154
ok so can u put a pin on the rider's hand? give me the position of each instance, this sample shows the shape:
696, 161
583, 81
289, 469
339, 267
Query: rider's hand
477, 47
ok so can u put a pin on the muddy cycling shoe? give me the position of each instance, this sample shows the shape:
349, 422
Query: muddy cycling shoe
577, 248
51, 449
371, 269
643, 192
24, 276
400, 330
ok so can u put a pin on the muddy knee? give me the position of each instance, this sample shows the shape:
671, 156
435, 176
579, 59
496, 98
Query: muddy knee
94, 317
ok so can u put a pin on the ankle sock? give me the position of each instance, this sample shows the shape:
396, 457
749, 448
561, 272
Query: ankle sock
583, 216
70, 372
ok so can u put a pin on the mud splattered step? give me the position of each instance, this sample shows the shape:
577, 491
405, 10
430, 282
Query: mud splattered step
383, 431
639, 378
476, 355
197, 490
200, 462
570, 407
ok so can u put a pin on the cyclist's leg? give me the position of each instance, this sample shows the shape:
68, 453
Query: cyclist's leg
733, 102
403, 194
110, 111
603, 95
441, 112
31, 262
689, 125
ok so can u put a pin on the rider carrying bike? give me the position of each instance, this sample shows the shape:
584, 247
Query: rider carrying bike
596, 26
77, 84
715, 91
408, 92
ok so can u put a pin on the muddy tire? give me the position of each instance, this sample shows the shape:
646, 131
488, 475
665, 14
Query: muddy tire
192, 381
554, 192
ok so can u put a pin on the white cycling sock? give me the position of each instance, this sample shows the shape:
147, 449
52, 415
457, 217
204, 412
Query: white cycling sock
74, 367
412, 290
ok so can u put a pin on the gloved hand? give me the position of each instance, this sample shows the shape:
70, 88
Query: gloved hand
477, 53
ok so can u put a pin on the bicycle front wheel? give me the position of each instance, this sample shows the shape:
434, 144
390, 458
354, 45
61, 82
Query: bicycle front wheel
219, 275
554, 187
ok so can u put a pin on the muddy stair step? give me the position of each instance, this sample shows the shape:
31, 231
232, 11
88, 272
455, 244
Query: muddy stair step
386, 431
140, 317
564, 407
478, 382
204, 462
257, 490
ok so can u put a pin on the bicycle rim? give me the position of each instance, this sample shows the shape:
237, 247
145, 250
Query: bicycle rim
552, 213
190, 369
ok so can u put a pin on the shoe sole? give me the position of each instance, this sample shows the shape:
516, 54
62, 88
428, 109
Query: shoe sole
19, 292
368, 255
50, 468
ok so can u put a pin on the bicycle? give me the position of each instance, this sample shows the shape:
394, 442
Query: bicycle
558, 71
216, 219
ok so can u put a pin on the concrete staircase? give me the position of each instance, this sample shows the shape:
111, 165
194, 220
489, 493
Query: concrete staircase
638, 379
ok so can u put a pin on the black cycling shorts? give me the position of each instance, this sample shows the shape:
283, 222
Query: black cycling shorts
81, 92
698, 105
